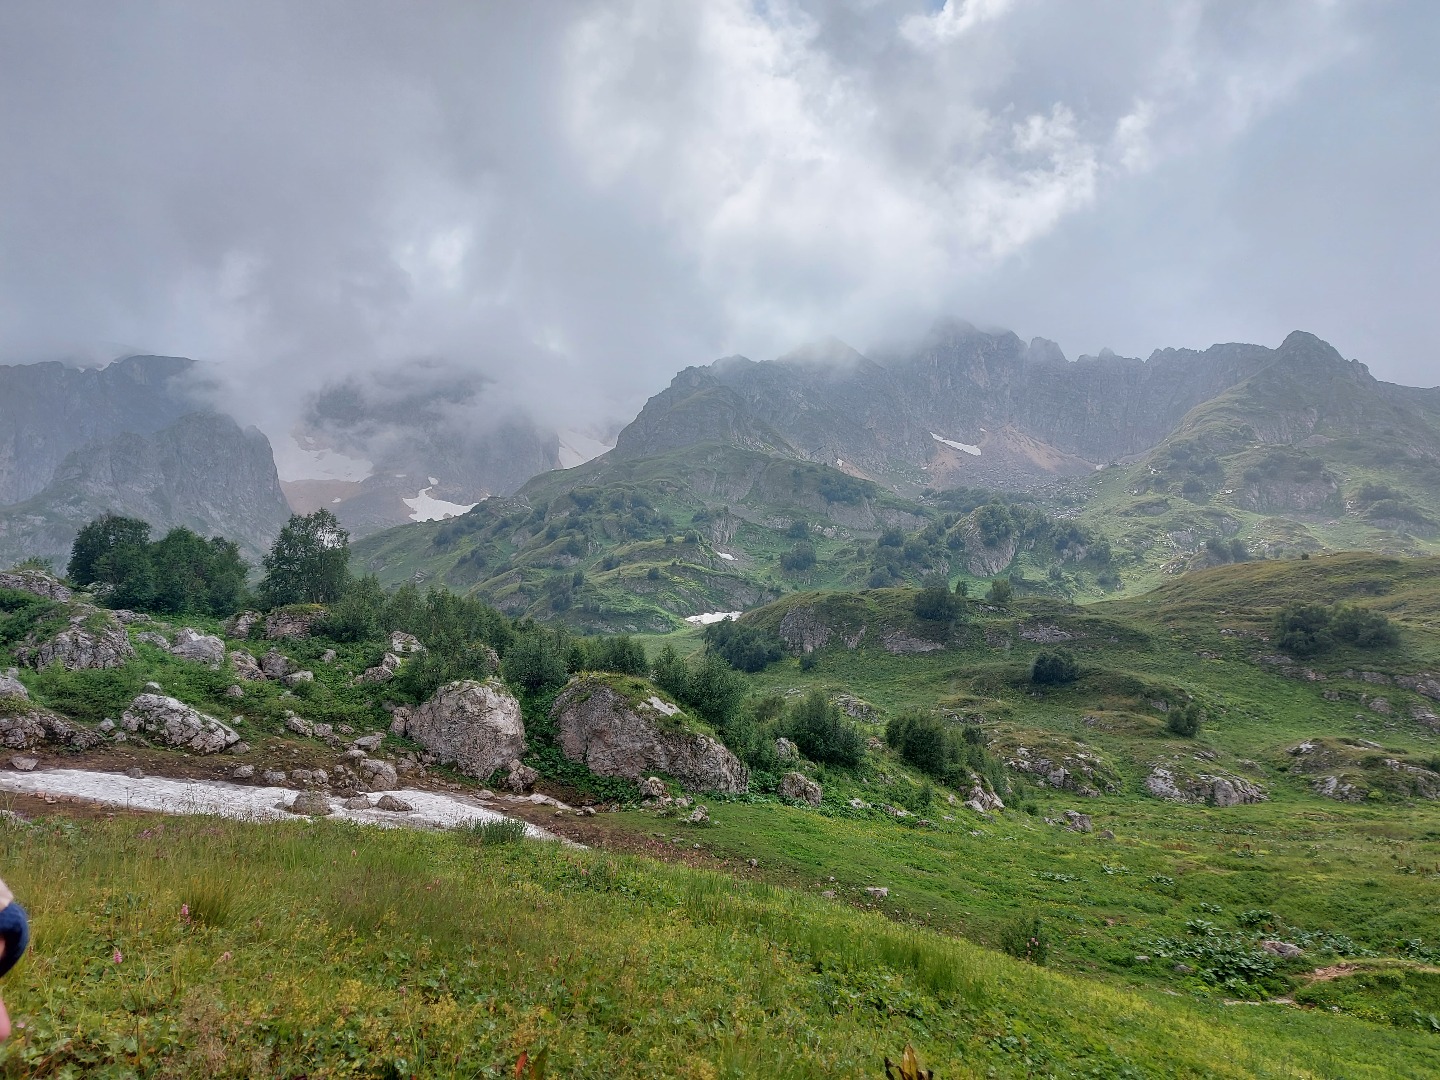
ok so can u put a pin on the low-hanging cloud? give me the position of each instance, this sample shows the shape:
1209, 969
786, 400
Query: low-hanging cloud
576, 198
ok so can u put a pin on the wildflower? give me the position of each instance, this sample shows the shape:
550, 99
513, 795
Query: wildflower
118, 956
185, 912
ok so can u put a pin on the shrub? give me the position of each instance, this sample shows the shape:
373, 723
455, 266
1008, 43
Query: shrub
1054, 667
1185, 720
822, 734
1362, 627
1024, 938
535, 663
1002, 591
743, 646
936, 603
799, 558
308, 563
1303, 629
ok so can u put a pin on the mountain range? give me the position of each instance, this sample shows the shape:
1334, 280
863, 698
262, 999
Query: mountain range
1177, 460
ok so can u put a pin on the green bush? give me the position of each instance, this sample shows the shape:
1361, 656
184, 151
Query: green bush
1054, 667
1024, 938
1362, 627
1303, 629
1185, 720
936, 603
1002, 591
815, 725
743, 646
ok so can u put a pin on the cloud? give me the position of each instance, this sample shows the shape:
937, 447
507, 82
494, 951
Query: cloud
576, 198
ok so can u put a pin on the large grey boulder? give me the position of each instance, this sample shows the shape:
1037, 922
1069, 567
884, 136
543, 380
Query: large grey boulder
274, 664
383, 671
297, 622
173, 723
27, 730
631, 736
94, 639
191, 644
245, 666
477, 725
797, 786
37, 583
11, 687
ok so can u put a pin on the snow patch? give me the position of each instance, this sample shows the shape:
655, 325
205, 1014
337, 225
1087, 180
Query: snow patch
711, 617
662, 706
301, 457
241, 801
576, 448
726, 556
973, 451
424, 507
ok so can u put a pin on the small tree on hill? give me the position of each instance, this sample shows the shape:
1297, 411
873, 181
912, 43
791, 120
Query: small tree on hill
1303, 629
1002, 591
1362, 627
822, 734
1054, 667
936, 603
99, 540
309, 563
1185, 720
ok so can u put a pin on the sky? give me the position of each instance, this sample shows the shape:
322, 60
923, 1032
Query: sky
577, 198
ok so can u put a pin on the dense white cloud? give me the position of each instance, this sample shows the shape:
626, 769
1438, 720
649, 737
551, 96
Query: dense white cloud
581, 196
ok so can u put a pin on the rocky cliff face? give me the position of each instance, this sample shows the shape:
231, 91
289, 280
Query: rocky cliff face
203, 472
968, 407
48, 411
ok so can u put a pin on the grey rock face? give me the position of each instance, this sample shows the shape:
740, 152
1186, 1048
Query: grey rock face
173, 723
28, 730
403, 644
11, 687
93, 640
294, 623
980, 798
603, 730
191, 644
476, 725
383, 671
37, 583
274, 664
1167, 784
245, 666
794, 785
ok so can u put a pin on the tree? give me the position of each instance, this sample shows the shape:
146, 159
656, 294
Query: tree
192, 574
822, 734
1185, 720
743, 646
1362, 627
358, 613
309, 563
536, 662
1002, 591
1054, 667
100, 539
936, 603
1303, 629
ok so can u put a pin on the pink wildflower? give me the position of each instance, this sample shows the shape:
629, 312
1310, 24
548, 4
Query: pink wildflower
118, 957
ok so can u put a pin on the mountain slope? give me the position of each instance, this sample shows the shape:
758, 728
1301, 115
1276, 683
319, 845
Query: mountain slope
203, 472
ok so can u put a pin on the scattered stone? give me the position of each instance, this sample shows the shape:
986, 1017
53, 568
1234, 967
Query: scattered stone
699, 816
345, 729
859, 804
828, 894
191, 644
243, 772
786, 750
107, 725
522, 777
20, 763
311, 804
328, 656
241, 747
394, 805
652, 787
297, 678
135, 772
1182, 969
1282, 949
752, 863
877, 892
379, 775
173, 723
299, 725
1077, 822
794, 785
150, 637
980, 798
1107, 834
477, 725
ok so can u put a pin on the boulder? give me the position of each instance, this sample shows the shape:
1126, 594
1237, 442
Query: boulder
27, 730
328, 656
296, 678
20, 763
152, 637
173, 723
191, 644
392, 804
403, 644
383, 671
37, 583
273, 777
1077, 822
299, 725
652, 787
699, 816
1283, 949
11, 687
246, 666
357, 802
477, 725
613, 735
980, 798
95, 639
296, 622
235, 690
369, 743
794, 785
786, 750
399, 722
522, 777
243, 772
1174, 786
379, 775
311, 804
275, 664
238, 626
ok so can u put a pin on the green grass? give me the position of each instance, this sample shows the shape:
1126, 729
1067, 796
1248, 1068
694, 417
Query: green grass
346, 951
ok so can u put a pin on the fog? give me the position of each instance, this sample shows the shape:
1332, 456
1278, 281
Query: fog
575, 199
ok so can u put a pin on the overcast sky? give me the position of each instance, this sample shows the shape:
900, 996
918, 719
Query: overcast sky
580, 198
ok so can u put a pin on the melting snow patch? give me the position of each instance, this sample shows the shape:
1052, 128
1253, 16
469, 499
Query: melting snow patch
711, 617
726, 556
425, 508
662, 706
300, 457
973, 451
241, 801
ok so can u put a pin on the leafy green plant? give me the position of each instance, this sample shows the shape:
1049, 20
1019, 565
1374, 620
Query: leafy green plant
492, 833
1024, 937
1054, 667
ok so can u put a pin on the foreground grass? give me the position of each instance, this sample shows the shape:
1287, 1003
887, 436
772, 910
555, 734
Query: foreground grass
201, 947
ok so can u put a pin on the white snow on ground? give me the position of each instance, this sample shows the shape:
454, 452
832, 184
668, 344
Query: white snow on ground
726, 556
711, 616
242, 801
425, 508
973, 451
576, 448
300, 457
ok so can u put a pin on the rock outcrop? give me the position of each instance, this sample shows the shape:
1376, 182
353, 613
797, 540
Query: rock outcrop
37, 583
1173, 785
801, 788
191, 644
173, 723
11, 687
613, 735
29, 729
476, 725
93, 640
294, 622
